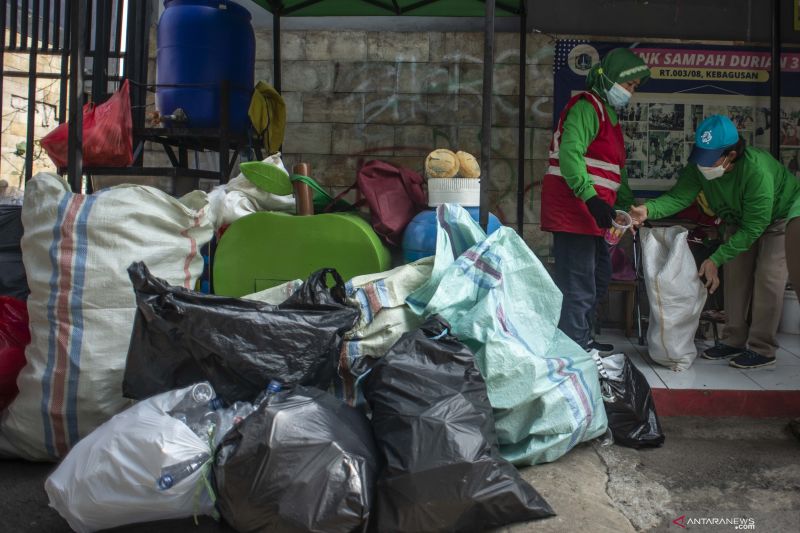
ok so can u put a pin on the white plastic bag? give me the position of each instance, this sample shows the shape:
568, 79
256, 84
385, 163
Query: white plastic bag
676, 295
240, 197
110, 478
77, 249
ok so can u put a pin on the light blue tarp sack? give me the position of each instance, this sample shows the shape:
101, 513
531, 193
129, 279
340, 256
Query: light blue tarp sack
501, 302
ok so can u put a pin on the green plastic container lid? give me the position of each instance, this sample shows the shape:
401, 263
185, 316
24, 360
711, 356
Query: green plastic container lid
266, 249
267, 177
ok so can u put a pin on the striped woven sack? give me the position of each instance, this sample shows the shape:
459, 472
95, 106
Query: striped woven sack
502, 303
76, 249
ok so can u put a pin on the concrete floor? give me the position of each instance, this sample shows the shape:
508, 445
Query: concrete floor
708, 468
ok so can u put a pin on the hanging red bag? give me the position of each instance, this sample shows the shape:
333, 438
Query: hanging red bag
107, 134
14, 336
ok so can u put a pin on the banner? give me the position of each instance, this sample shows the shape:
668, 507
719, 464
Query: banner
796, 15
688, 83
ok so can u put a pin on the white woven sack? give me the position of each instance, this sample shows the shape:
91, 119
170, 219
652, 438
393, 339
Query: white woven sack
76, 250
676, 295
385, 317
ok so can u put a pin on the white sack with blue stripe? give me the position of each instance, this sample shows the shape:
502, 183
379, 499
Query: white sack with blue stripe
384, 318
502, 303
76, 250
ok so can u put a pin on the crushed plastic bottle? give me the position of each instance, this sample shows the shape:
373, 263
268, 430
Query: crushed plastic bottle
202, 393
198, 410
176, 473
267, 396
233, 415
241, 410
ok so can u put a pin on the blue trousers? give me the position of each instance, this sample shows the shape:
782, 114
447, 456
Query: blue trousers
582, 273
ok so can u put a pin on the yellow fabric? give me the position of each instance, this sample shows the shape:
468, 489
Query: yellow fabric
703, 203
268, 114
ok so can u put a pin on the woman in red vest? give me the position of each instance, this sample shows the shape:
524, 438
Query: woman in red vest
585, 179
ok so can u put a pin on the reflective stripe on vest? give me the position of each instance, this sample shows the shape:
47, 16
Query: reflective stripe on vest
592, 162
600, 181
597, 180
598, 107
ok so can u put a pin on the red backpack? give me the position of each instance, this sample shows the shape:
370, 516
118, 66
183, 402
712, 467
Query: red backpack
394, 195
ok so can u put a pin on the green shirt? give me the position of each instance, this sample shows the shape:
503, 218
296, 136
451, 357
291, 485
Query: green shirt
580, 128
758, 191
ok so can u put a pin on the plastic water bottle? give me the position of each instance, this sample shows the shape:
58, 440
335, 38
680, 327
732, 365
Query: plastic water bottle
198, 410
212, 419
233, 415
176, 473
265, 398
241, 410
198, 397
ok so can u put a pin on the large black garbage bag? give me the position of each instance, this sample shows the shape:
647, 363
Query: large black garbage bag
434, 425
629, 403
304, 462
12, 272
181, 337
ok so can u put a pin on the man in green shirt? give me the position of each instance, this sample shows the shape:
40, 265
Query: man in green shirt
760, 199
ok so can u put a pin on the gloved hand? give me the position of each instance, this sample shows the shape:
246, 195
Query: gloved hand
602, 212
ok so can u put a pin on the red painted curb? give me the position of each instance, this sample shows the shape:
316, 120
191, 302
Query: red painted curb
713, 403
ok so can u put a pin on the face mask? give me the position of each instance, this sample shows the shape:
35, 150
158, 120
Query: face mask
712, 173
618, 96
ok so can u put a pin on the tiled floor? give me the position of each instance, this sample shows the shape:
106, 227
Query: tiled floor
715, 375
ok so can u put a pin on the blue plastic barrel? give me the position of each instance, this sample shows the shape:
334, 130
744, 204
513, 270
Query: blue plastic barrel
202, 43
419, 238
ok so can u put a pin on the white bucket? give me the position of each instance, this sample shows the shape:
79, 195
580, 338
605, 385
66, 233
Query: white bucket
790, 319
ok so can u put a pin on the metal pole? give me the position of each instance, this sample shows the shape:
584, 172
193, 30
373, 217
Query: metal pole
523, 75
486, 130
31, 126
775, 86
62, 100
2, 56
225, 130
76, 53
102, 43
276, 50
136, 54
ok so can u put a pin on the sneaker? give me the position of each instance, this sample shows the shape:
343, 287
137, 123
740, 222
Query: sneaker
721, 351
750, 359
599, 346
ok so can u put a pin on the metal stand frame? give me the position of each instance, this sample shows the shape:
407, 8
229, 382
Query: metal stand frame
74, 46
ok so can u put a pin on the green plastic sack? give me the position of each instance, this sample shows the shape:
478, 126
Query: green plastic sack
502, 303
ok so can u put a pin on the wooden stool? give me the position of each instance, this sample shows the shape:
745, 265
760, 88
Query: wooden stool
629, 288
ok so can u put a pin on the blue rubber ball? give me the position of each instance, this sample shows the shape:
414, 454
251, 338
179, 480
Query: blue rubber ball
419, 239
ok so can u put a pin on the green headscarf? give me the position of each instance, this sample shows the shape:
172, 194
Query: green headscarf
618, 66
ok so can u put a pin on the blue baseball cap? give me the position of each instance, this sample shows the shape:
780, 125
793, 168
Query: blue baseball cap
713, 136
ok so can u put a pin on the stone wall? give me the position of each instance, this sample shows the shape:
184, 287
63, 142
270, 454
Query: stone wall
355, 95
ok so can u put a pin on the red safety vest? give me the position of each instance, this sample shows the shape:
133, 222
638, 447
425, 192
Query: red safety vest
605, 157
